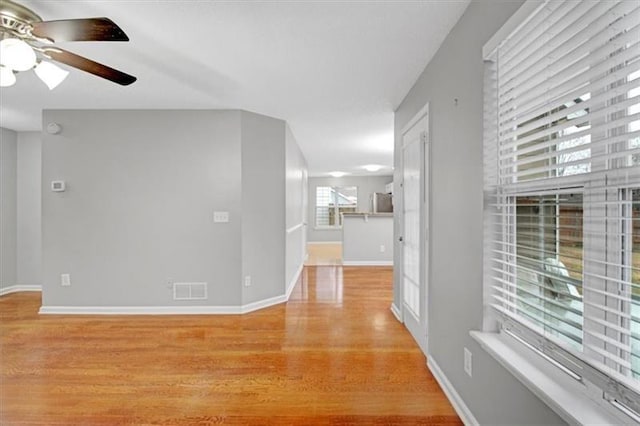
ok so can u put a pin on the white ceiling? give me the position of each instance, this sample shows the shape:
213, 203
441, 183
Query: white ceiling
335, 71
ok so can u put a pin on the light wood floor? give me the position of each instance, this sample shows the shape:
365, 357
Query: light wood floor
333, 354
324, 254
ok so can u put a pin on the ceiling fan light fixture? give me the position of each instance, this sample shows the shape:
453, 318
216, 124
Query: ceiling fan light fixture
50, 74
16, 54
7, 77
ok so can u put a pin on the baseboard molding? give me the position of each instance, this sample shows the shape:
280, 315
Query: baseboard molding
324, 242
19, 288
456, 401
171, 310
367, 263
141, 310
261, 304
396, 312
293, 281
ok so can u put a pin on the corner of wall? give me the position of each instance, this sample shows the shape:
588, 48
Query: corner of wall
263, 207
8, 207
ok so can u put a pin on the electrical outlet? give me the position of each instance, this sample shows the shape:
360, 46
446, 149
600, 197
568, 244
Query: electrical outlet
65, 280
221, 217
382, 249
247, 281
468, 362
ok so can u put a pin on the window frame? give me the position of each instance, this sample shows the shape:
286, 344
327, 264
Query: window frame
614, 394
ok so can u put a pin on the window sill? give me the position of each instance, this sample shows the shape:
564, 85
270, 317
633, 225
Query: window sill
327, 228
562, 393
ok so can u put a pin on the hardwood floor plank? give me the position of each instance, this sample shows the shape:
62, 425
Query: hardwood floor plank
333, 355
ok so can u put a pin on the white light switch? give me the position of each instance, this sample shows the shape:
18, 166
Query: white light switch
221, 217
65, 280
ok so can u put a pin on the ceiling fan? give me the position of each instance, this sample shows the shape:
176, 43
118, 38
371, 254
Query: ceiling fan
26, 42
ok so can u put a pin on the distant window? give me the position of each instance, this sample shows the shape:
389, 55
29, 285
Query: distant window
331, 201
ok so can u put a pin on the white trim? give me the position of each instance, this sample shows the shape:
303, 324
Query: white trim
324, 242
261, 304
419, 116
19, 288
163, 310
454, 397
396, 312
140, 310
293, 281
295, 227
170, 310
565, 395
367, 263
519, 18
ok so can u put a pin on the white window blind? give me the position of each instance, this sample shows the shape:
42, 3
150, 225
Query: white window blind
562, 189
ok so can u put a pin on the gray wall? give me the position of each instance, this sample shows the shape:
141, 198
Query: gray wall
29, 194
363, 236
137, 215
366, 186
142, 187
296, 206
263, 206
8, 207
455, 304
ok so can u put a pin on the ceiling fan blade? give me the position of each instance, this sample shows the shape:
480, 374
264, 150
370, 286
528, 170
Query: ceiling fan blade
89, 66
90, 29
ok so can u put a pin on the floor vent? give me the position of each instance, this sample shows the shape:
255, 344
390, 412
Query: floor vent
189, 291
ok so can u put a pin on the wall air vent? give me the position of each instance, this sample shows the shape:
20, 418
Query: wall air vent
189, 291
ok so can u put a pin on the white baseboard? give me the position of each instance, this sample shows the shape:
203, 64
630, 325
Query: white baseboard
324, 242
261, 304
163, 310
172, 310
396, 312
293, 281
367, 263
19, 288
456, 401
140, 310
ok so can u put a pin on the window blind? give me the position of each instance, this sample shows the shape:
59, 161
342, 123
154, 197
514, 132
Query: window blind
562, 189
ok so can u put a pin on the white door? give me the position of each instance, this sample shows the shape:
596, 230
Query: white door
415, 218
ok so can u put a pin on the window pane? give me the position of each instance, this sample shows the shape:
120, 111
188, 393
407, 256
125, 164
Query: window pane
538, 157
347, 198
549, 254
332, 201
324, 201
